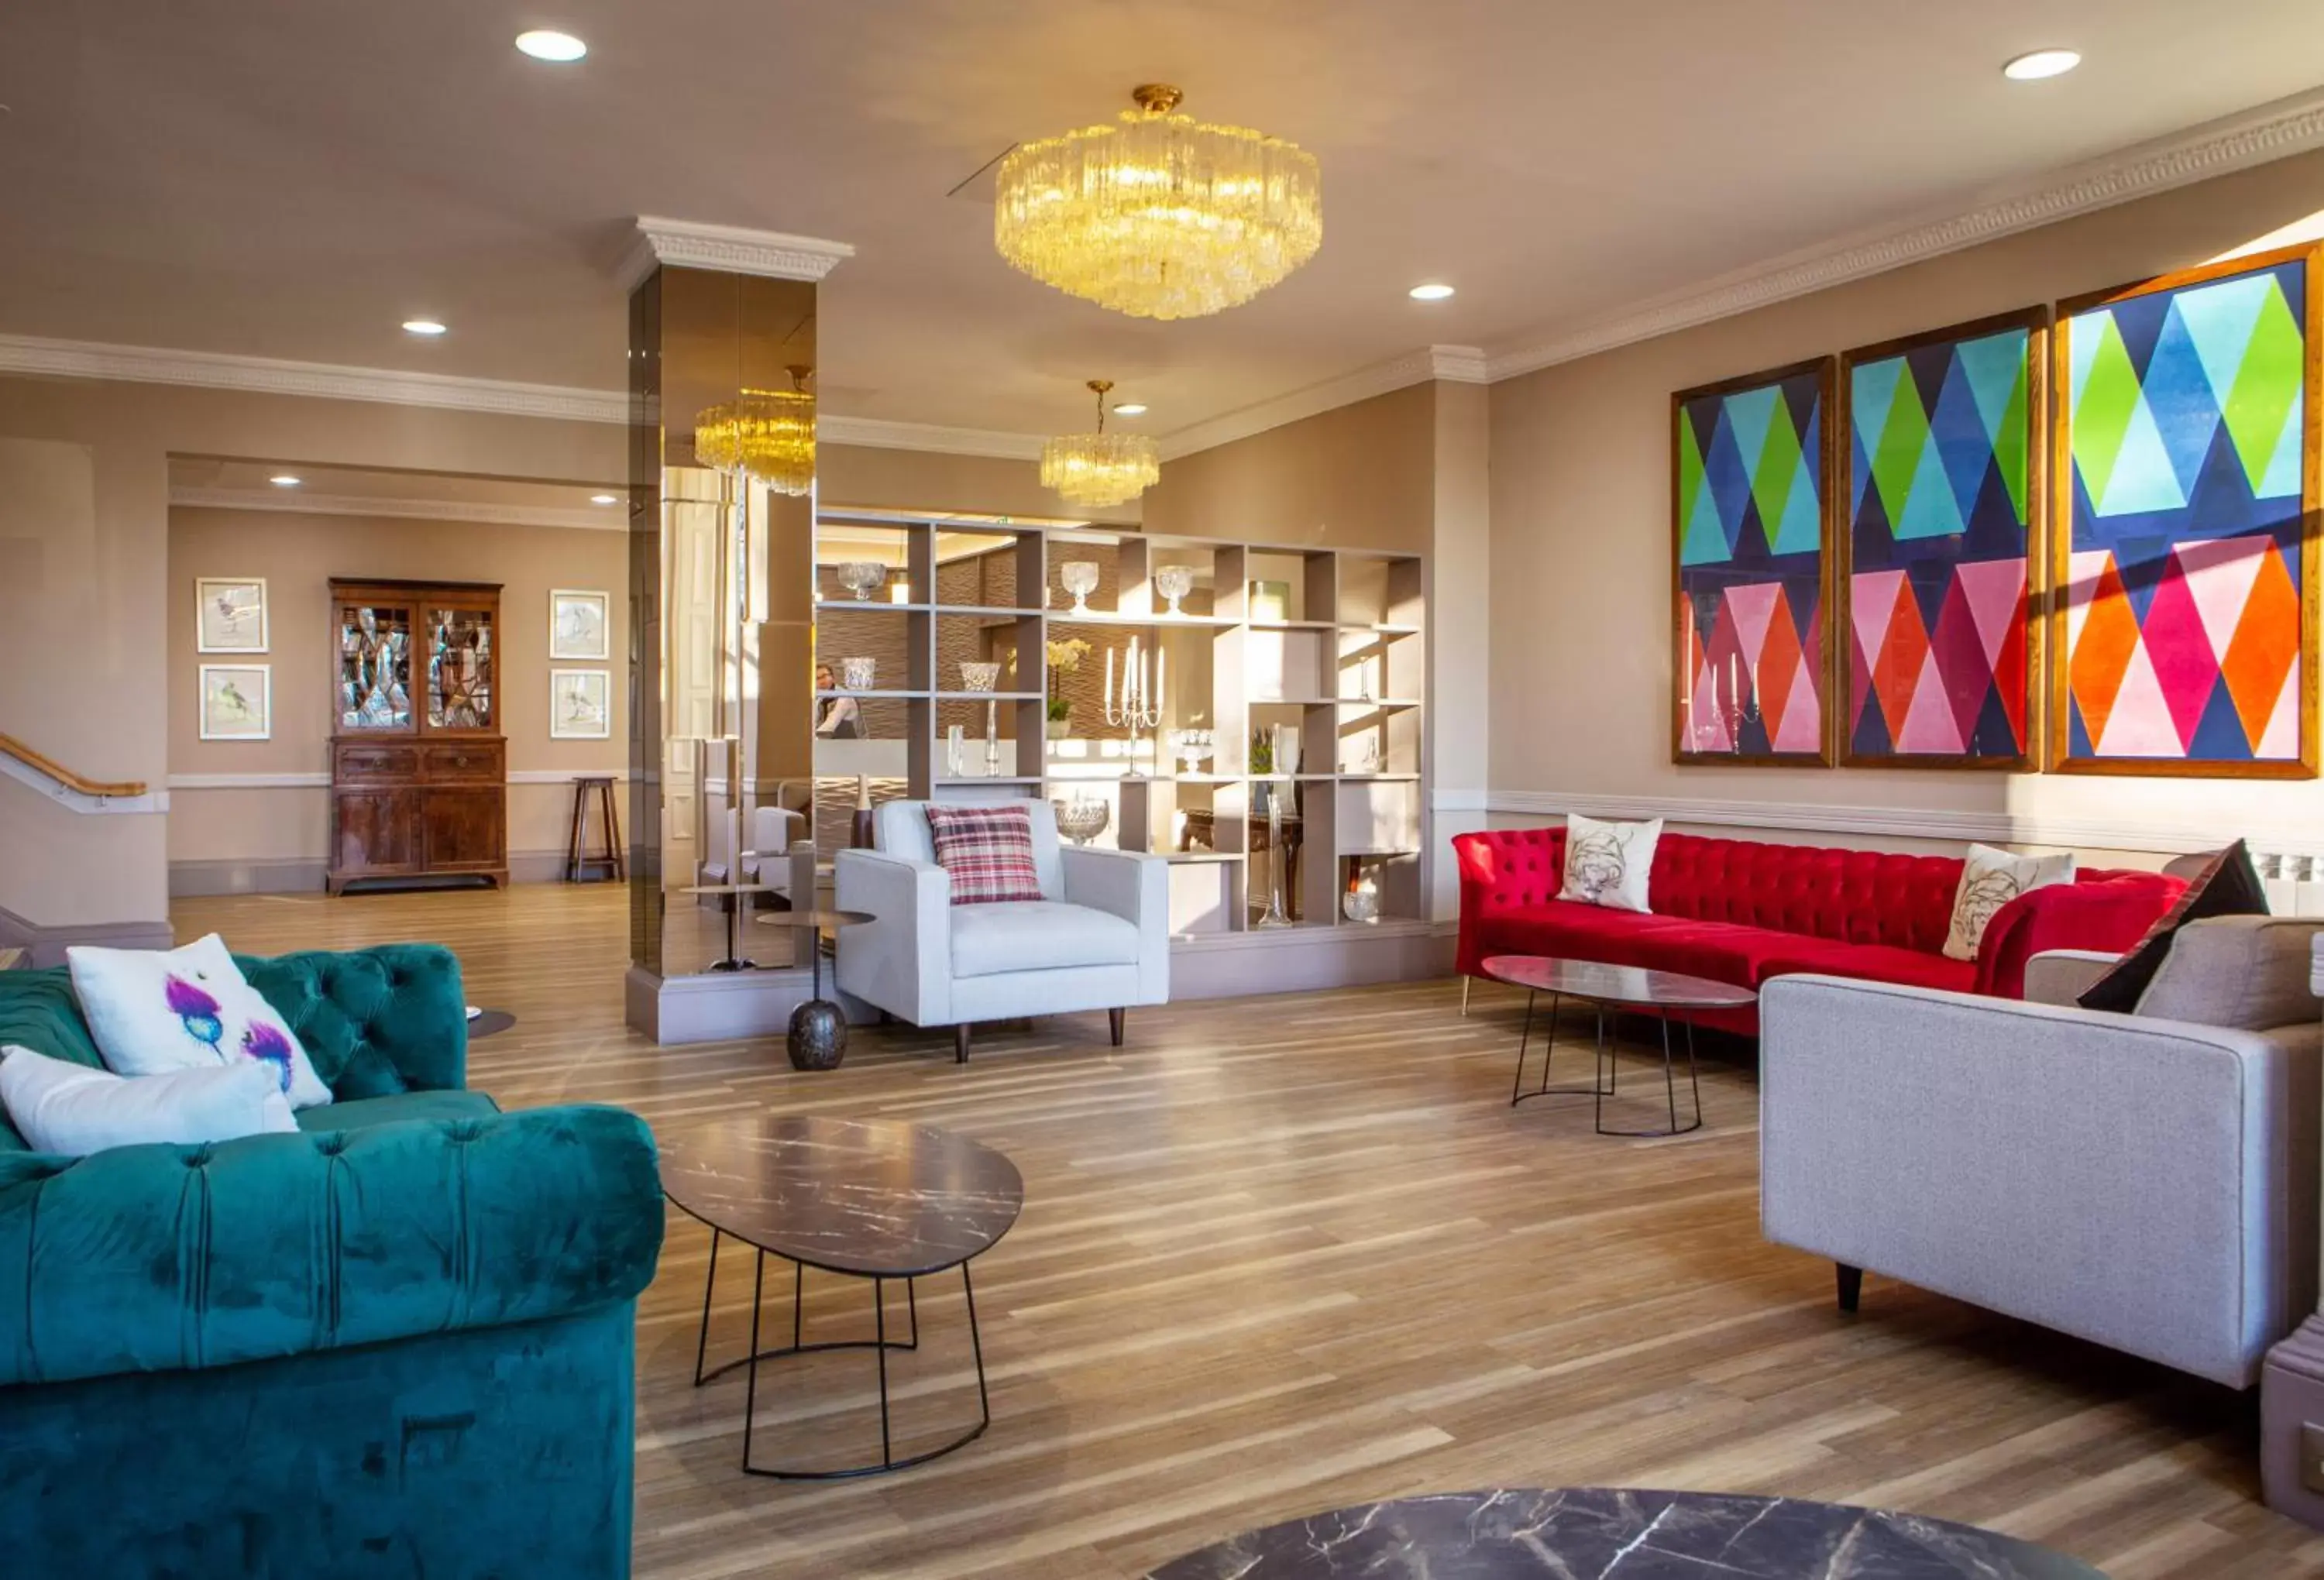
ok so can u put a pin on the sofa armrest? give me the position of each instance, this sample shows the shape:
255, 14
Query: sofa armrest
901, 960
2109, 913
1136, 887
2059, 976
165, 1258
2145, 1184
374, 1022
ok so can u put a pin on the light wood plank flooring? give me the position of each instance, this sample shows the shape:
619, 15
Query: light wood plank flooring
1280, 1254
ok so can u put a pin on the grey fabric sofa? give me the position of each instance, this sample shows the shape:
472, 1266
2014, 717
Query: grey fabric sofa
2147, 1184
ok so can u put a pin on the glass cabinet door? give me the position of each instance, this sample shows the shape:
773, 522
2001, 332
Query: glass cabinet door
460, 669
375, 667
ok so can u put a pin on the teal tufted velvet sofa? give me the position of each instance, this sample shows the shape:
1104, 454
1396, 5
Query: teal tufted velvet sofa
398, 1344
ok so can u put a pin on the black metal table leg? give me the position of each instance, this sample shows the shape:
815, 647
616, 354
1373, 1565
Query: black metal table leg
1670, 1090
1517, 1092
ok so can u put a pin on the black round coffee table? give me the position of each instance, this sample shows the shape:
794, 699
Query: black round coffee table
1612, 988
1611, 1533
489, 1023
868, 1199
819, 1028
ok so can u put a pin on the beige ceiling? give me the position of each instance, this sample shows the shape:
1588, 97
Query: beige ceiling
293, 178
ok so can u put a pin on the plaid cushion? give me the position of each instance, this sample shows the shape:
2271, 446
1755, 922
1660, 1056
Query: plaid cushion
988, 850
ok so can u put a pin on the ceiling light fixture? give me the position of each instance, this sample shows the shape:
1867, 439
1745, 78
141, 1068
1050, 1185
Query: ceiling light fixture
425, 328
1129, 409
766, 434
1160, 215
1431, 292
604, 499
2040, 63
1100, 468
548, 44
283, 480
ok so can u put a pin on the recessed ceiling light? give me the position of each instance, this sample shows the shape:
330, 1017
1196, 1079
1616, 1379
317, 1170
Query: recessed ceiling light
2041, 63
604, 499
428, 327
1131, 409
1431, 292
283, 480
548, 44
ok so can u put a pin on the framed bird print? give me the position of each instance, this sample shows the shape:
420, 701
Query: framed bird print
237, 702
577, 625
230, 614
2184, 629
580, 704
1751, 470
1941, 477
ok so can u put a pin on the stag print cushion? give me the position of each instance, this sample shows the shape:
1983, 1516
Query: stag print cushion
152, 1011
1990, 880
1607, 863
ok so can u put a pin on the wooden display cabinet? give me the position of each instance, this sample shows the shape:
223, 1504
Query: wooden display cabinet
419, 764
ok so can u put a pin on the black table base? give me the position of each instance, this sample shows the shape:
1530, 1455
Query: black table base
879, 1345
1606, 1070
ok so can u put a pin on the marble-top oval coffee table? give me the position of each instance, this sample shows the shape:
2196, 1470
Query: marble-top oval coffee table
868, 1199
1612, 988
1611, 1533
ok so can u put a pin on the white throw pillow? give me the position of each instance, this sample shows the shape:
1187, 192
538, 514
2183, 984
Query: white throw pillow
71, 1110
1990, 880
153, 1011
1607, 863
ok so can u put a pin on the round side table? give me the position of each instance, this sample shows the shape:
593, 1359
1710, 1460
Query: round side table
818, 1033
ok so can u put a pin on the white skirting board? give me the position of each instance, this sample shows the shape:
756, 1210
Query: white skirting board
298, 875
715, 1007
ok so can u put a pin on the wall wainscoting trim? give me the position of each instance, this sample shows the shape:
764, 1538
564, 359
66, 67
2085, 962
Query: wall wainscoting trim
46, 945
321, 779
1909, 822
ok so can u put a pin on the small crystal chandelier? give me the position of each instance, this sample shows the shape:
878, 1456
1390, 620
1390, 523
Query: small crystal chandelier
766, 434
1160, 216
1100, 468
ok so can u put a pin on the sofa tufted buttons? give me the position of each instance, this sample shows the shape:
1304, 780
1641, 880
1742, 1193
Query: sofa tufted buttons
330, 1144
464, 1131
198, 1156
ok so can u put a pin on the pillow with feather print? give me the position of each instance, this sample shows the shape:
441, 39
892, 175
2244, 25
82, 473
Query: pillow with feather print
153, 1011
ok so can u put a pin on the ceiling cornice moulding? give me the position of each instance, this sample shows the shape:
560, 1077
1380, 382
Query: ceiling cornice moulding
259, 375
2216, 148
873, 433
599, 519
689, 245
1461, 365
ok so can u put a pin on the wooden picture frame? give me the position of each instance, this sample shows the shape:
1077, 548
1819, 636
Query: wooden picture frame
1944, 622
573, 714
1718, 714
580, 624
2135, 718
236, 702
230, 614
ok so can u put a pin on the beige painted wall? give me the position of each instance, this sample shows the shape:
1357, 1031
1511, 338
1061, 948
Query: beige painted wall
101, 705
1358, 476
925, 479
1581, 555
298, 554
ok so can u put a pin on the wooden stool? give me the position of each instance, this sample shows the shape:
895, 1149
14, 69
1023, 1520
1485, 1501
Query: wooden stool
577, 860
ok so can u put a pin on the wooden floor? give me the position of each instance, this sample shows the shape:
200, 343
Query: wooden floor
1280, 1254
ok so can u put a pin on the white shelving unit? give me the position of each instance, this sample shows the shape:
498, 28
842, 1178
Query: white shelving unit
1326, 642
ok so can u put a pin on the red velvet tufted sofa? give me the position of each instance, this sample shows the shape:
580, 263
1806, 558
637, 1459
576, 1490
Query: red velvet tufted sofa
1740, 912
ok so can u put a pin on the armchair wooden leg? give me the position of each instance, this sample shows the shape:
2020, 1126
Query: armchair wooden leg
1114, 1017
1466, 983
1851, 1285
960, 1043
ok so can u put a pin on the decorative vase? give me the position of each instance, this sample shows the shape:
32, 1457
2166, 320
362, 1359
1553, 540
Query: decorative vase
1174, 583
861, 578
1361, 902
1079, 577
979, 677
955, 751
858, 674
1082, 818
858, 833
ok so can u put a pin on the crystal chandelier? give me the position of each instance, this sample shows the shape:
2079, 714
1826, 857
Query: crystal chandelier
1100, 468
766, 434
1160, 216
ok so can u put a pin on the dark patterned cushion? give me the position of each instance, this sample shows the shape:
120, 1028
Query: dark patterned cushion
987, 852
2228, 885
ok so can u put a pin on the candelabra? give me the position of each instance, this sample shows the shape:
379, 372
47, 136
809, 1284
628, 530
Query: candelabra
1137, 705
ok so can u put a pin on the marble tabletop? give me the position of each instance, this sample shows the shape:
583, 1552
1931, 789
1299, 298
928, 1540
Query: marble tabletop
1629, 985
873, 1197
1609, 1533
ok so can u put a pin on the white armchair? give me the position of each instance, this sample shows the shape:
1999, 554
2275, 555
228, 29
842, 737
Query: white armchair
1098, 938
